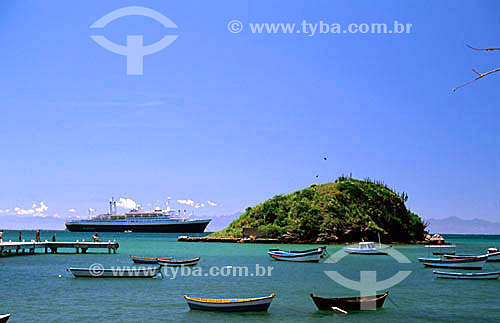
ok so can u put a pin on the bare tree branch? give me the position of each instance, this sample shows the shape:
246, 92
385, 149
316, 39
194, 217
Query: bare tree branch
485, 49
477, 78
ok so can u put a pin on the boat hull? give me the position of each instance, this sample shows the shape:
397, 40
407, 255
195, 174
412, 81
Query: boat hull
477, 266
144, 260
252, 305
355, 251
472, 276
296, 257
182, 227
350, 303
109, 273
4, 318
321, 249
443, 253
476, 263
178, 263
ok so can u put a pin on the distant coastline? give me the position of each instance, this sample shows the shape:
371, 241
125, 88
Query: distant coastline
456, 225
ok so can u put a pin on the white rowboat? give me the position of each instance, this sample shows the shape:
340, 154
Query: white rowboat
367, 248
475, 263
311, 256
450, 275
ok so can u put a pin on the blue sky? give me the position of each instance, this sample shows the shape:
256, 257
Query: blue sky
238, 118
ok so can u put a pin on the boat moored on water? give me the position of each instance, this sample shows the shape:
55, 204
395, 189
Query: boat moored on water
474, 263
322, 249
367, 248
491, 256
4, 318
169, 262
146, 260
313, 255
442, 249
345, 304
138, 220
451, 275
131, 272
257, 304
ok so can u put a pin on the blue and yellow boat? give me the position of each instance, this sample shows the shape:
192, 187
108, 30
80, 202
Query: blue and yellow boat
257, 304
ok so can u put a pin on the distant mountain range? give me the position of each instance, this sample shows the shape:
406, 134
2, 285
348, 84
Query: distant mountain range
457, 225
220, 222
9, 222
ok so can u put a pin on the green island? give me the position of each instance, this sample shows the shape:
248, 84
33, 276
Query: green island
347, 210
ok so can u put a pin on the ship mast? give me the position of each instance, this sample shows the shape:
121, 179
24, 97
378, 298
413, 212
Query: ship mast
112, 206
168, 204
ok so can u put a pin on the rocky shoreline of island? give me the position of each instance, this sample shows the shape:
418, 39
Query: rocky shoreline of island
435, 239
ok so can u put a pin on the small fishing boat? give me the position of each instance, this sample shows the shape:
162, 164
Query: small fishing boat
450, 275
493, 255
474, 263
178, 263
367, 248
450, 256
442, 249
440, 253
257, 304
131, 272
4, 318
310, 256
323, 251
345, 304
146, 260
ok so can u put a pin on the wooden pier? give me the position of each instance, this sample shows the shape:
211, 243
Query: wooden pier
29, 248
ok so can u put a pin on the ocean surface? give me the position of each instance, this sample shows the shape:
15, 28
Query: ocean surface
31, 289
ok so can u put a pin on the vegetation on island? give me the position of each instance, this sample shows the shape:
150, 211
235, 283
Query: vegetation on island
347, 210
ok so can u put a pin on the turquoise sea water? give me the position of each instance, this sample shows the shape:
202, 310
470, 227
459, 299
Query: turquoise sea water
31, 289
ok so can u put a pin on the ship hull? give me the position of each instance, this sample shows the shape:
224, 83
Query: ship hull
184, 227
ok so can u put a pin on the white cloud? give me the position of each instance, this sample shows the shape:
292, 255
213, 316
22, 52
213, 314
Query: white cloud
42, 207
36, 210
126, 203
1, 211
186, 202
211, 203
20, 211
72, 211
